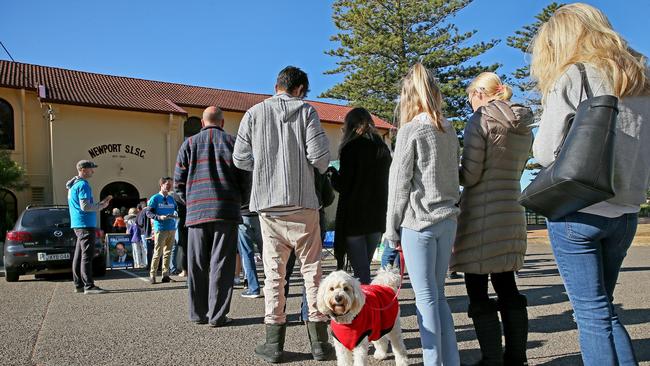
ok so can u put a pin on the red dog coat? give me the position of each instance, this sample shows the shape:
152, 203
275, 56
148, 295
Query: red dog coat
376, 318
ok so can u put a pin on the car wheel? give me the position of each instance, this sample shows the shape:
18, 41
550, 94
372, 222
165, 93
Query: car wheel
99, 267
11, 275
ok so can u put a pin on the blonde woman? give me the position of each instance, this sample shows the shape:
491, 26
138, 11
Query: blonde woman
590, 245
421, 217
491, 236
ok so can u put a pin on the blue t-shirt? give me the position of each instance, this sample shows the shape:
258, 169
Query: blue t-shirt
81, 190
161, 205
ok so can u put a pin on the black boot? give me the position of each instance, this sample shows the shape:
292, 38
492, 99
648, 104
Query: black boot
271, 350
321, 349
488, 332
515, 329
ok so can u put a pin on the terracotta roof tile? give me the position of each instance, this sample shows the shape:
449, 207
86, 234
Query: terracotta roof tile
118, 92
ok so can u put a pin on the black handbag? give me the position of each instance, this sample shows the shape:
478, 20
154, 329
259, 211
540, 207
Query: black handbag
583, 171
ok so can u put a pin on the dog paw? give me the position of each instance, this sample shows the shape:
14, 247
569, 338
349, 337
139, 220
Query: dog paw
379, 355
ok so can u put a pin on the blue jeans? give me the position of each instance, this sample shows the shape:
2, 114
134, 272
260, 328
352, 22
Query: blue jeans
390, 256
360, 249
249, 235
589, 251
172, 262
427, 254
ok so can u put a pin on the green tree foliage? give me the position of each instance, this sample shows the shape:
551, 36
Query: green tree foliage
12, 175
379, 40
522, 41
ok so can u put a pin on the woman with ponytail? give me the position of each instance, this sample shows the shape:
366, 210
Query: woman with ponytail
422, 198
491, 236
362, 183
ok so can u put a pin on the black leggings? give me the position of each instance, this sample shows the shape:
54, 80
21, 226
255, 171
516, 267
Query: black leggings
503, 283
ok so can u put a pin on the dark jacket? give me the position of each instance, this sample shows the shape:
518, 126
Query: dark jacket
491, 234
362, 183
207, 180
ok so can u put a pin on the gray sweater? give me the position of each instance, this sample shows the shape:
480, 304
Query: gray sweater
423, 181
281, 141
632, 143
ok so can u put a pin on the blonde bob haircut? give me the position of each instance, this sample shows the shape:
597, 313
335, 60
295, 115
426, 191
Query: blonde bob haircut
490, 84
420, 94
581, 33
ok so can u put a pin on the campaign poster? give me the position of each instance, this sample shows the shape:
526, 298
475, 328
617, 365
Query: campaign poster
120, 250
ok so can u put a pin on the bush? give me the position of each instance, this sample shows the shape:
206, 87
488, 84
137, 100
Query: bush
645, 210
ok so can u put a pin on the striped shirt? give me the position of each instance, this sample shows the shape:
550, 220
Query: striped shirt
207, 180
281, 141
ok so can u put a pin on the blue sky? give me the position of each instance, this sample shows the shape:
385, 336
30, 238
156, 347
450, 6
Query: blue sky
238, 45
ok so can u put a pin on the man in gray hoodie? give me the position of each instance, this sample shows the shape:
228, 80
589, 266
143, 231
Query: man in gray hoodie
281, 141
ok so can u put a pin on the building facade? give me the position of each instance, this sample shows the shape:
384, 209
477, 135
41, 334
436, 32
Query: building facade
132, 128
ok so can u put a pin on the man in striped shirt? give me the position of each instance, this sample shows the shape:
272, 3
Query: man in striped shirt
281, 141
212, 189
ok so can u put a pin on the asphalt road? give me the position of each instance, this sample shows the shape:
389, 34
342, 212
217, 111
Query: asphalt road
43, 322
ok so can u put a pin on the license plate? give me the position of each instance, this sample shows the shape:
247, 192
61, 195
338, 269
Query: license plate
44, 257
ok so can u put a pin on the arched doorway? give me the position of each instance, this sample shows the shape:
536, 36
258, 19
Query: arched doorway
125, 196
191, 127
8, 211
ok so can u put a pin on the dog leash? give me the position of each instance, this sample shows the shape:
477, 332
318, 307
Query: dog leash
401, 281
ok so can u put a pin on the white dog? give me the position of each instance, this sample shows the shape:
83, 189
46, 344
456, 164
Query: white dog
361, 313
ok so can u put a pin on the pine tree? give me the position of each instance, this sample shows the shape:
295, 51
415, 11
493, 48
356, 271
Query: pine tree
522, 41
380, 40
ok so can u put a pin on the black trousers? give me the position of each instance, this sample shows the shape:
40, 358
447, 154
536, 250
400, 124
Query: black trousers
182, 242
82, 263
211, 270
477, 286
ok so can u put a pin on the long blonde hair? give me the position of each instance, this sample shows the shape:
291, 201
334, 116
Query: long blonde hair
420, 94
581, 33
490, 84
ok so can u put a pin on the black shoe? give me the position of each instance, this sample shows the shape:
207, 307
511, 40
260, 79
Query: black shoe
488, 331
273, 348
515, 329
79, 290
166, 279
152, 280
200, 322
222, 323
455, 275
321, 349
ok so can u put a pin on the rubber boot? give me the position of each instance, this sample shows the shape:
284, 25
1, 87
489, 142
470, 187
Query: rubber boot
515, 329
488, 332
272, 349
321, 349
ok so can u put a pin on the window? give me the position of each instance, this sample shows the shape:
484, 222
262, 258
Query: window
191, 127
6, 125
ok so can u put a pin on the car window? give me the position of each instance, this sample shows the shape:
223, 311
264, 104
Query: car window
54, 217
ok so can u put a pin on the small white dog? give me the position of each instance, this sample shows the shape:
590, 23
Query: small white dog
361, 313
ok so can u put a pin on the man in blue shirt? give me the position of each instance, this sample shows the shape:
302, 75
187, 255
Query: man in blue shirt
161, 210
83, 219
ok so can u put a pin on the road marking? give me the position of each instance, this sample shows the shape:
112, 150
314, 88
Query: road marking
134, 275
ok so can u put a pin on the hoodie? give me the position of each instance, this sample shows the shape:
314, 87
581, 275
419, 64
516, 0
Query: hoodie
281, 141
83, 210
491, 233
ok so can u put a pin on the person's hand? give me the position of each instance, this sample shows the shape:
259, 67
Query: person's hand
108, 198
331, 170
162, 217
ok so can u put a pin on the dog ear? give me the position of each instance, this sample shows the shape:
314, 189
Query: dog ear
358, 298
321, 303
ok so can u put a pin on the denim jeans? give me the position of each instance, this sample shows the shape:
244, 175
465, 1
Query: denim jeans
589, 251
250, 234
390, 256
426, 254
172, 261
360, 249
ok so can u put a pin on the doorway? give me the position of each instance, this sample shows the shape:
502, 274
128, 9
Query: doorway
125, 196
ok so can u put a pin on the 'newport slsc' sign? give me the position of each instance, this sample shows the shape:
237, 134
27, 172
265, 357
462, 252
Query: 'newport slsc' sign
116, 149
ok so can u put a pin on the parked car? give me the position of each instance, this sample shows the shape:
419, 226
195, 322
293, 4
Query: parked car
43, 242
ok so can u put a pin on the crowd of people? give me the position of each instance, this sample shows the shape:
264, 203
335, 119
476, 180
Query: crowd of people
268, 185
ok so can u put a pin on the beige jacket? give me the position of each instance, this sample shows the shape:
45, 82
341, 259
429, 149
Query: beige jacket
491, 236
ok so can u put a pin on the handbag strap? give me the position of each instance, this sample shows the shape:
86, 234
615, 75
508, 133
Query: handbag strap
584, 87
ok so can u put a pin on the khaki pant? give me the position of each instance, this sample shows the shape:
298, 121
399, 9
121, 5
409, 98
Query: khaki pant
281, 235
163, 242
